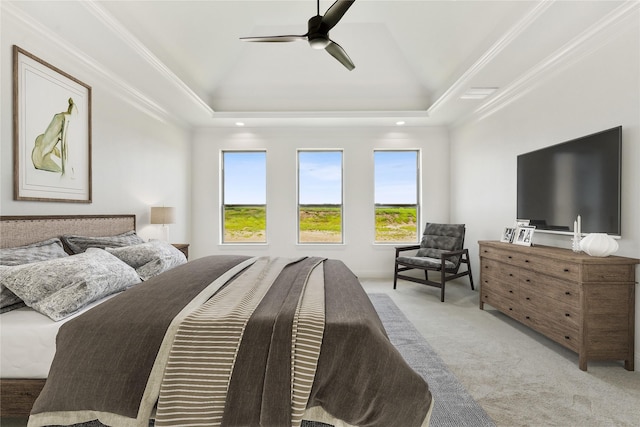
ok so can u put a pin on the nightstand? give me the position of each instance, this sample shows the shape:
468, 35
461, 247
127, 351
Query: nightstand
182, 247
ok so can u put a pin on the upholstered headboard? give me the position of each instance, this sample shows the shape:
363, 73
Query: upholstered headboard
23, 230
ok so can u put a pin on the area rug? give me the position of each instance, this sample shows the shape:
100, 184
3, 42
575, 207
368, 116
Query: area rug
454, 406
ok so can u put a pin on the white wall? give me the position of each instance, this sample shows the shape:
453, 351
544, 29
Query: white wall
598, 92
138, 161
359, 252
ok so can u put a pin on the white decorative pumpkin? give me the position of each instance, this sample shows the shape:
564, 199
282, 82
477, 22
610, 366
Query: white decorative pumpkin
599, 244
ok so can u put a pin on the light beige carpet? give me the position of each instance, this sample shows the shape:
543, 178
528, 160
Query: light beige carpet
518, 376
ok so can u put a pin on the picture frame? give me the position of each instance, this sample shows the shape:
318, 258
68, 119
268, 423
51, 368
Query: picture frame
520, 222
507, 234
524, 235
51, 132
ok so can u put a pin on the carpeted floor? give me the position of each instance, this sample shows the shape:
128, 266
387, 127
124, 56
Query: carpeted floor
454, 406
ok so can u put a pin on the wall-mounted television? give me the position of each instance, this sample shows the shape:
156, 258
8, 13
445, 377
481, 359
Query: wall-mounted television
577, 177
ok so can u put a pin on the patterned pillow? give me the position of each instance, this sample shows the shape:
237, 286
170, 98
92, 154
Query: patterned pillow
8, 300
79, 244
151, 258
40, 251
59, 287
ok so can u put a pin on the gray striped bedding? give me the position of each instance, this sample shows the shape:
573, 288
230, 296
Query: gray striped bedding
234, 341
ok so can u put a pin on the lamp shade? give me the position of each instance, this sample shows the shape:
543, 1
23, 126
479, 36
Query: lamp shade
162, 215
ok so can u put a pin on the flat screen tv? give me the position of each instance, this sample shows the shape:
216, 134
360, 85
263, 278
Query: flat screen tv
577, 177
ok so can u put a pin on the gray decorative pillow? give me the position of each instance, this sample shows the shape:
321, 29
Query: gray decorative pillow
151, 258
79, 244
58, 288
8, 300
40, 251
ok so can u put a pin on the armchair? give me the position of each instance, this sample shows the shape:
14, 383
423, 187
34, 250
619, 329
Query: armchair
441, 250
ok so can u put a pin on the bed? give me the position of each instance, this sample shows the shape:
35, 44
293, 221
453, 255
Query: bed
267, 341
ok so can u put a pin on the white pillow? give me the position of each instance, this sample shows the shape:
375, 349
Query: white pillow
58, 288
151, 258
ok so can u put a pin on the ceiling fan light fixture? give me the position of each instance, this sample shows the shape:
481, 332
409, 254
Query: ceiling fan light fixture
318, 42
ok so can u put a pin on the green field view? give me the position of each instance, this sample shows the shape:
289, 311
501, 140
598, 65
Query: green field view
318, 223
245, 223
396, 223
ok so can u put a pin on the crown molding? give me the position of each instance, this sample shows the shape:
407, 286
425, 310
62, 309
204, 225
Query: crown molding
461, 83
126, 91
137, 46
599, 34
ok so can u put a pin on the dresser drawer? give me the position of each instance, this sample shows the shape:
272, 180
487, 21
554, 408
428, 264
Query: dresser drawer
564, 334
506, 289
498, 300
501, 255
567, 293
567, 317
553, 267
504, 271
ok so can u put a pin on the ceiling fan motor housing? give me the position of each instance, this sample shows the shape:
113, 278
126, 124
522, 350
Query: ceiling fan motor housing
318, 34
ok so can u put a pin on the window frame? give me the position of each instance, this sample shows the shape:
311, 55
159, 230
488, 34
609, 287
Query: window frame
418, 177
222, 197
342, 211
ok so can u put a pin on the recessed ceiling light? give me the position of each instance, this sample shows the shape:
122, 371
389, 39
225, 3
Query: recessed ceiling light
478, 92
239, 124
400, 122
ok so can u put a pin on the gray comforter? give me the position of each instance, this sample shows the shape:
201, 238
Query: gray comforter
109, 362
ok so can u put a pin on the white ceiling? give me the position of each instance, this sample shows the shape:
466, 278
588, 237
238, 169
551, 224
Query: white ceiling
183, 60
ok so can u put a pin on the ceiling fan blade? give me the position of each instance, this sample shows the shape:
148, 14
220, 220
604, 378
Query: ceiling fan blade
275, 39
335, 13
338, 52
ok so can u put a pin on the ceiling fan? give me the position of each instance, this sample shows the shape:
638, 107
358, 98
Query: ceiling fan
318, 33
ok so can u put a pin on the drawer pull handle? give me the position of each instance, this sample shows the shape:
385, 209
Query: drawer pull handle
567, 293
567, 337
528, 280
510, 292
528, 299
566, 270
511, 274
510, 309
567, 315
528, 318
509, 256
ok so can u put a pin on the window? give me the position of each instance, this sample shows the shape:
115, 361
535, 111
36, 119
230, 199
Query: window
320, 197
396, 196
244, 196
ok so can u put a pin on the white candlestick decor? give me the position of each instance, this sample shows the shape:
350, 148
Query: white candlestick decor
576, 235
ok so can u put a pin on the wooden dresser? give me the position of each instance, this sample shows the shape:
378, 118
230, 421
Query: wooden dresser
585, 303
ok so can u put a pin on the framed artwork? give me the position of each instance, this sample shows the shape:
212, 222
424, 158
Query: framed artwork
507, 234
524, 235
51, 132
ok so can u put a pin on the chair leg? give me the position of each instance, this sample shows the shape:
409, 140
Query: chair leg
470, 277
442, 282
395, 276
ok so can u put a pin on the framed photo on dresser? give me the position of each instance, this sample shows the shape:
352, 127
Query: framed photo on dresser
524, 235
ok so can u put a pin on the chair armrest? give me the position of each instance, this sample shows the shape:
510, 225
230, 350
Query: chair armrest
454, 253
406, 248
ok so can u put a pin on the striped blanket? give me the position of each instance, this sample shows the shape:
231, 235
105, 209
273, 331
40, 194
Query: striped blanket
234, 341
